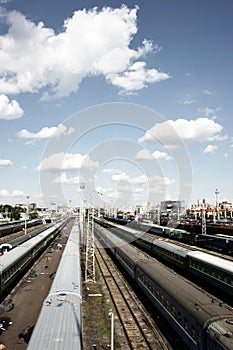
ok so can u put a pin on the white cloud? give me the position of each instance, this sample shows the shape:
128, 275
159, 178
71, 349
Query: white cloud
139, 180
158, 183
5, 162
45, 132
112, 171
65, 180
207, 92
9, 109
33, 57
66, 161
121, 176
210, 149
209, 111
161, 155
136, 77
11, 194
188, 100
169, 132
144, 154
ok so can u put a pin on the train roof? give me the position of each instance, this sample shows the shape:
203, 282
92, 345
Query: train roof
224, 236
59, 323
193, 299
215, 261
197, 303
8, 259
171, 247
68, 275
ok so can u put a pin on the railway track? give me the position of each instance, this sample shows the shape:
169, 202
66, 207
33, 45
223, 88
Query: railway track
139, 330
12, 236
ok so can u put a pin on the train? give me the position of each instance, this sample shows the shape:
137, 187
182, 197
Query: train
216, 271
16, 226
59, 325
201, 321
220, 243
6, 247
16, 261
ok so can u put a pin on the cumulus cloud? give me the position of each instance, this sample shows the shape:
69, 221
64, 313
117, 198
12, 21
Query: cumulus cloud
63, 179
92, 42
44, 133
120, 176
158, 183
136, 77
210, 149
5, 162
66, 161
144, 154
9, 109
169, 132
11, 194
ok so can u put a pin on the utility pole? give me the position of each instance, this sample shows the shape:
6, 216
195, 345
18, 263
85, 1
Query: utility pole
203, 222
217, 209
26, 216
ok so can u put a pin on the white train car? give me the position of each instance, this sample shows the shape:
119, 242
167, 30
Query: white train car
59, 325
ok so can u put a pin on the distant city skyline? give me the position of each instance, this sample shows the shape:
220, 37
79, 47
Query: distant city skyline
131, 101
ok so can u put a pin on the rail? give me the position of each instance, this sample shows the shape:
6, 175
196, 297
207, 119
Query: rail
139, 330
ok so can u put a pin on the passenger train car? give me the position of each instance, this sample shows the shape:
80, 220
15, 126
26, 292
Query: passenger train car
201, 321
218, 272
15, 262
59, 325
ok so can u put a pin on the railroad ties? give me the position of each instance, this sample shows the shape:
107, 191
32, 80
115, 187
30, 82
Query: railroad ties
139, 334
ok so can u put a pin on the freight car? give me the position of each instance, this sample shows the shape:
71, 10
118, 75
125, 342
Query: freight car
201, 321
59, 325
16, 261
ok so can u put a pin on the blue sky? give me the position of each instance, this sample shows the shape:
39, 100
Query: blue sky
132, 100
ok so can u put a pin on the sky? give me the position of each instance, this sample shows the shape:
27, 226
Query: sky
116, 103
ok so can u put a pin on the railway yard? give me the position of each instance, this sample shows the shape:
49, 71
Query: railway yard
137, 322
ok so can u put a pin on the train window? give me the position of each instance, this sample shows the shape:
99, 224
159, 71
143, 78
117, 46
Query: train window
167, 304
162, 299
173, 310
186, 325
179, 317
193, 332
